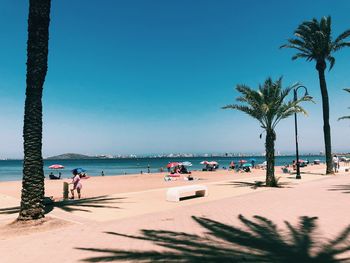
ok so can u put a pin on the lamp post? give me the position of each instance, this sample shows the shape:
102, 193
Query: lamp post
296, 129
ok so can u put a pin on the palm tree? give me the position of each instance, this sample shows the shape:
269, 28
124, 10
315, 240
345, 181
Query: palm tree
313, 40
345, 117
268, 105
37, 52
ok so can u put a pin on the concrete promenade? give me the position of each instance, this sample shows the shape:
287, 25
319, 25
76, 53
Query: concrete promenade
97, 225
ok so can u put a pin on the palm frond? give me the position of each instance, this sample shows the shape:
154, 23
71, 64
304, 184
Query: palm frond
343, 118
246, 109
342, 36
331, 61
313, 41
268, 103
302, 55
340, 45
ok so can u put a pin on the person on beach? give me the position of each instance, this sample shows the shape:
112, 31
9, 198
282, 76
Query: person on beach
232, 165
294, 165
54, 177
102, 173
168, 167
76, 185
148, 169
335, 161
253, 163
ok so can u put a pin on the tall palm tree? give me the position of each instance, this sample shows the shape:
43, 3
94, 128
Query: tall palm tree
345, 117
268, 105
313, 40
37, 52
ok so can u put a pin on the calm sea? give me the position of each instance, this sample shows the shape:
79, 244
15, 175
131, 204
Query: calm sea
11, 170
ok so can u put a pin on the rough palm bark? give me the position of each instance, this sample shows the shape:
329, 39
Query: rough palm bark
321, 67
37, 53
270, 158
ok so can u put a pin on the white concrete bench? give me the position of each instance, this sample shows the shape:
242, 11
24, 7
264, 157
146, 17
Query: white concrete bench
175, 193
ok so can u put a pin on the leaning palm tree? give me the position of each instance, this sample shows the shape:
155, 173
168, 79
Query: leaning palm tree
313, 41
345, 117
37, 52
268, 105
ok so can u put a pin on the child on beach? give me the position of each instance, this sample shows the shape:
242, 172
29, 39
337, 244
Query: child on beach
76, 185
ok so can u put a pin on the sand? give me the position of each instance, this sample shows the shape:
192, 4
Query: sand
128, 204
97, 186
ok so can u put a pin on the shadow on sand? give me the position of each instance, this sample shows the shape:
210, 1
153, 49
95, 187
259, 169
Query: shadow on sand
258, 241
73, 205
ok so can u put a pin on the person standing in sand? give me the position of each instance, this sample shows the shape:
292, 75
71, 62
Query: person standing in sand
76, 185
335, 161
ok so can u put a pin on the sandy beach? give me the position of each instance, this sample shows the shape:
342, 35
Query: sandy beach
97, 186
78, 230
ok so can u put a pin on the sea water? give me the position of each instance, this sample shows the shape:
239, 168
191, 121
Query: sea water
11, 170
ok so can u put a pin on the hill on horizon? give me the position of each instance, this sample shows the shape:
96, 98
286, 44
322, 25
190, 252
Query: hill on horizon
70, 156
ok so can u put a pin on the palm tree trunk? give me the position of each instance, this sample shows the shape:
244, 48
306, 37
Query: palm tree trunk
270, 158
321, 66
37, 52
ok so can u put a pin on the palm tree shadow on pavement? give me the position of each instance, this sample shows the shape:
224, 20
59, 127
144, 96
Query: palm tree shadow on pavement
73, 205
258, 241
256, 184
344, 188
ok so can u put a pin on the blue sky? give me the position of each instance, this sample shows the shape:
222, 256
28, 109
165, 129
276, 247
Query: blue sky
151, 76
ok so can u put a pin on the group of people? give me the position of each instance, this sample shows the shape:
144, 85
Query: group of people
335, 163
76, 181
241, 167
180, 169
210, 167
301, 164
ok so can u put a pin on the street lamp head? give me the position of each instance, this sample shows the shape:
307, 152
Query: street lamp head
307, 96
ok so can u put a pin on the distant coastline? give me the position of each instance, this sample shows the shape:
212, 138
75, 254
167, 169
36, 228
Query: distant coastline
77, 156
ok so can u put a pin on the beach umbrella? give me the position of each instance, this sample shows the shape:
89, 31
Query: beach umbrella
56, 166
78, 170
186, 164
247, 165
171, 165
213, 163
204, 162
242, 161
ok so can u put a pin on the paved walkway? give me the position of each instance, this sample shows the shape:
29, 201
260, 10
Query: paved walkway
326, 197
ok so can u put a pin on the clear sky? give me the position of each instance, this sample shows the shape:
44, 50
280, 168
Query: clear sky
138, 76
